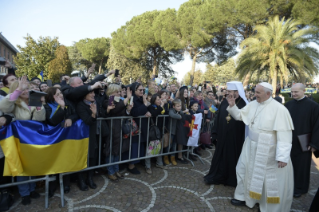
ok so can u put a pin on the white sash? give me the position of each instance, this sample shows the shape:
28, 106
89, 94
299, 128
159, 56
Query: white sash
264, 168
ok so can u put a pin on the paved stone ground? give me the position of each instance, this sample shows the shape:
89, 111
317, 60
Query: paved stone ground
179, 188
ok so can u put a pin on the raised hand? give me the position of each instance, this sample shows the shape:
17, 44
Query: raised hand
60, 101
96, 85
93, 108
231, 100
23, 83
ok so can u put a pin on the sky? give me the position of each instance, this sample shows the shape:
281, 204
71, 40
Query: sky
73, 20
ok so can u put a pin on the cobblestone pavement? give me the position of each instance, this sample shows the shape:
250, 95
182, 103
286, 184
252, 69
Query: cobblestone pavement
179, 188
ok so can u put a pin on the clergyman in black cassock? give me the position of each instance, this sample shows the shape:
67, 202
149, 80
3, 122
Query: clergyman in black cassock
305, 116
230, 139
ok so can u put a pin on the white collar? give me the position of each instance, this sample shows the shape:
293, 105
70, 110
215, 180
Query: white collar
267, 101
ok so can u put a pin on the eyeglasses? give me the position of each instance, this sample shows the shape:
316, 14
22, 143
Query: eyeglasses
141, 90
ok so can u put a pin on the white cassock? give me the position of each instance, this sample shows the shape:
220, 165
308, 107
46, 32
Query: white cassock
259, 180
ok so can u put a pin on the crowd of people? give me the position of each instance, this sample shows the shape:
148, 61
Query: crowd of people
256, 138
80, 98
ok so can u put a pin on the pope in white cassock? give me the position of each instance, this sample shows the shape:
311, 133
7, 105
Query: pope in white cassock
264, 170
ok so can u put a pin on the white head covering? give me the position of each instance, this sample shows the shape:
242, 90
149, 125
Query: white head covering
266, 85
237, 86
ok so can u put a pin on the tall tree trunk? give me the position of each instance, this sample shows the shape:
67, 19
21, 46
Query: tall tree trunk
246, 80
281, 82
100, 67
274, 82
154, 62
154, 69
193, 70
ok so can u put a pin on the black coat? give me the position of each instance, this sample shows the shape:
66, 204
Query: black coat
85, 113
76, 94
230, 139
119, 110
139, 109
156, 112
60, 115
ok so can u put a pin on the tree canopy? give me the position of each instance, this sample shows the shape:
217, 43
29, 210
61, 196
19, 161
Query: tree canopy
145, 37
35, 56
59, 65
280, 48
95, 50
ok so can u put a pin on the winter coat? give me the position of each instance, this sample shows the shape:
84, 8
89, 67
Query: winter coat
119, 110
139, 109
85, 113
60, 115
156, 111
20, 110
174, 116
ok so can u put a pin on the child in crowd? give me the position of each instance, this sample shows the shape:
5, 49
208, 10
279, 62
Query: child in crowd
175, 114
193, 107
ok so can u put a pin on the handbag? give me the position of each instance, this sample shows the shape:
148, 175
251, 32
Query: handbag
205, 136
127, 126
6, 200
167, 139
154, 132
154, 148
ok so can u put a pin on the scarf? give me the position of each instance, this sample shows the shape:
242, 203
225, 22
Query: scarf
201, 103
5, 89
54, 106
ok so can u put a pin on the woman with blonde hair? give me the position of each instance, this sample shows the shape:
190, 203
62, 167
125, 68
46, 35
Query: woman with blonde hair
17, 103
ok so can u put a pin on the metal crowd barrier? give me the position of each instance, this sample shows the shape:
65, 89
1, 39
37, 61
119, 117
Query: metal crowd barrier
48, 178
122, 118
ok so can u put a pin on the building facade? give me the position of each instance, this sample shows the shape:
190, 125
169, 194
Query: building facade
7, 51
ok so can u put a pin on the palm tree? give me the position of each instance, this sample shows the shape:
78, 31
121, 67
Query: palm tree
279, 49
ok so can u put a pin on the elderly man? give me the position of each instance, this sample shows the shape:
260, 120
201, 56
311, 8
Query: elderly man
264, 169
304, 113
230, 135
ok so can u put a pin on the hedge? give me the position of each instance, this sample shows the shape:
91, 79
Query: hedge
288, 98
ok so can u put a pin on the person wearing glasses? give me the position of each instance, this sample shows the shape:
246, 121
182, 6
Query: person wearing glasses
139, 109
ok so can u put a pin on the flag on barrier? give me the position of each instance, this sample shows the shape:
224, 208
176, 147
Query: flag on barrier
32, 148
194, 129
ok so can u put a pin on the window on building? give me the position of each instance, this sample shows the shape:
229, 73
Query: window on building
4, 52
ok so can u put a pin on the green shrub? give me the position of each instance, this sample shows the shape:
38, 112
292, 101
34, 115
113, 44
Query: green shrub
288, 98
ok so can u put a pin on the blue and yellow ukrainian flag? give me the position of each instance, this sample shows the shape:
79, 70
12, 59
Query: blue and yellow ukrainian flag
213, 109
32, 148
40, 76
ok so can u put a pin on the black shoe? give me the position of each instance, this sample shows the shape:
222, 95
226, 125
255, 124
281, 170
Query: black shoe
51, 194
237, 202
209, 147
210, 182
91, 184
297, 195
197, 153
192, 157
182, 160
34, 195
67, 189
26, 200
82, 185
134, 171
